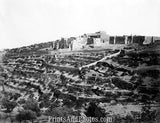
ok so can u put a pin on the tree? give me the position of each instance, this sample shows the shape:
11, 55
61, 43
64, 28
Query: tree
148, 114
32, 105
94, 111
60, 111
63, 79
57, 93
9, 105
26, 115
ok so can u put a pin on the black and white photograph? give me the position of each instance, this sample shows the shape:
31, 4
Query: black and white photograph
79, 61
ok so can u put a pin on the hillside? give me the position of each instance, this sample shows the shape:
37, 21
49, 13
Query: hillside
123, 84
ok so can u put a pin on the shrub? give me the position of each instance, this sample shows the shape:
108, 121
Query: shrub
26, 115
32, 105
9, 105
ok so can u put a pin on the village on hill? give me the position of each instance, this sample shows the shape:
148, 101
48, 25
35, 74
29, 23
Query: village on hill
94, 75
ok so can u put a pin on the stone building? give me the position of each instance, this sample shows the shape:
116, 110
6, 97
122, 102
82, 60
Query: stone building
100, 36
90, 39
79, 43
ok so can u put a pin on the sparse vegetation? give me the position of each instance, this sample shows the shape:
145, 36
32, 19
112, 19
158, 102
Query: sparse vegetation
54, 85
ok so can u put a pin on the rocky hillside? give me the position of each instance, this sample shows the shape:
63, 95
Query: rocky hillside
124, 85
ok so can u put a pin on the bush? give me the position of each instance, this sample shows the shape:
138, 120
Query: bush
9, 105
60, 112
94, 111
26, 115
32, 105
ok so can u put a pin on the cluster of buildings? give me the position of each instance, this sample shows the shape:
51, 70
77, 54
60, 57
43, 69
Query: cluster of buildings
101, 39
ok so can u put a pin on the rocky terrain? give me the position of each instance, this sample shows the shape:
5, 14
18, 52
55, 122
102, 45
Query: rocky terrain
122, 84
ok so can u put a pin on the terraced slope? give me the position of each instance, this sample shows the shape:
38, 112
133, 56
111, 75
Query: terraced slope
125, 80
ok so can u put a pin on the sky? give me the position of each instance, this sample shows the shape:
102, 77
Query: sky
26, 22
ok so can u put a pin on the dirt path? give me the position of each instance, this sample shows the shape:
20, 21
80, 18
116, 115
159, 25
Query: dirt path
94, 63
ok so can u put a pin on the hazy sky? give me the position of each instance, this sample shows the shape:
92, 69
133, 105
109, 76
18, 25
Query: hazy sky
25, 22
